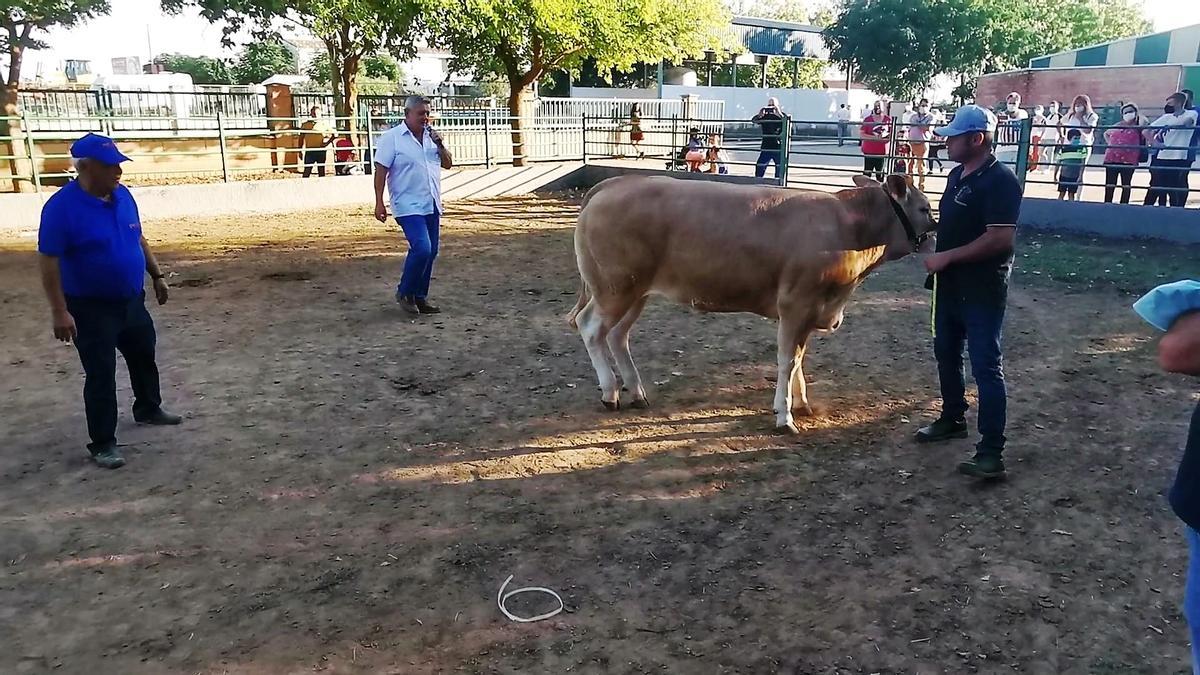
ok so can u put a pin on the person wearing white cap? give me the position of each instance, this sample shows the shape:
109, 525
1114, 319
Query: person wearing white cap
969, 278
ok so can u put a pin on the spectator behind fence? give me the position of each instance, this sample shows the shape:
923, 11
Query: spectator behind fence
1190, 104
1171, 135
875, 130
1038, 122
843, 117
1070, 170
1081, 116
1013, 117
343, 156
1051, 134
919, 134
715, 155
770, 119
636, 135
1124, 153
315, 136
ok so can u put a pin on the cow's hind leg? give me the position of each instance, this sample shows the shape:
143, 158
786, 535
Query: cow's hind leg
594, 329
793, 338
618, 342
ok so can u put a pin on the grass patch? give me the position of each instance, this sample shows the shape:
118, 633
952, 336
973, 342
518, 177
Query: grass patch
1084, 263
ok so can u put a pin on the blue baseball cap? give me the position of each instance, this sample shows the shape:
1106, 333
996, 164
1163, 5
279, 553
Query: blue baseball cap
969, 119
99, 148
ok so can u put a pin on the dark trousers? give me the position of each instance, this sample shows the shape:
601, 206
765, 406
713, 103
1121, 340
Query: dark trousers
314, 158
422, 233
873, 166
1168, 182
1112, 172
765, 157
105, 327
978, 325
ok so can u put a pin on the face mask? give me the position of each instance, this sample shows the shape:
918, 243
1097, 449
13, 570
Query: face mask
1129, 117
923, 109
1169, 109
1079, 109
1012, 107
1039, 110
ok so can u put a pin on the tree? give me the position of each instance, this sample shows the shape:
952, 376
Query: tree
523, 39
203, 69
810, 73
379, 67
260, 60
349, 29
21, 25
897, 47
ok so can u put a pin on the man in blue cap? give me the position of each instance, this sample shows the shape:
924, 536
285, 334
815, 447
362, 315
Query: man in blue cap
93, 258
969, 278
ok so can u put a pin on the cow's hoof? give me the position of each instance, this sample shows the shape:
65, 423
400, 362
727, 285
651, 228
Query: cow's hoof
789, 429
804, 411
612, 406
640, 403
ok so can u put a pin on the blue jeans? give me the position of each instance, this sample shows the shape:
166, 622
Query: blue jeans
1191, 594
765, 157
422, 235
979, 326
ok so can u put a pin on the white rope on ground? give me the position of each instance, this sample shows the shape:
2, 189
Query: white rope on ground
503, 597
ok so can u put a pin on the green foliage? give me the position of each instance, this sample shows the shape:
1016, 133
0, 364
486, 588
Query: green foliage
260, 60
203, 69
380, 68
897, 47
809, 73
23, 21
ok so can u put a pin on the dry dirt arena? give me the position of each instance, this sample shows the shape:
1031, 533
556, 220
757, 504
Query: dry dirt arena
351, 487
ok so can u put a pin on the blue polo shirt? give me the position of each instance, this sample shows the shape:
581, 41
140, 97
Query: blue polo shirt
97, 242
989, 196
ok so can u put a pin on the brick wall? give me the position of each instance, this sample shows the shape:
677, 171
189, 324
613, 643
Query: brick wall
1146, 86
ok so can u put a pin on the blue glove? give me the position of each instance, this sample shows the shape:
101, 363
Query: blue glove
1161, 306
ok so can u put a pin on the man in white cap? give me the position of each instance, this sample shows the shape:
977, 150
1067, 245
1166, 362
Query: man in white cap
969, 277
93, 262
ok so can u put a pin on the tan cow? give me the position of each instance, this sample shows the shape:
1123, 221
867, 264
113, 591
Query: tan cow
791, 255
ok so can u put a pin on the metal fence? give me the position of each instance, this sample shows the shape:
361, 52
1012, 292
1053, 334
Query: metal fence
71, 110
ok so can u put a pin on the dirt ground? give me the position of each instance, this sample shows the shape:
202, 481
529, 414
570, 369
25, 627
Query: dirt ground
351, 487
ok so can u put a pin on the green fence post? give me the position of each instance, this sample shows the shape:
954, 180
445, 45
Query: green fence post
785, 149
29, 148
1023, 143
221, 142
674, 145
584, 134
369, 165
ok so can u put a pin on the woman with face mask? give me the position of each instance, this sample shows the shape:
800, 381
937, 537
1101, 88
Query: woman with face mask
1038, 123
1123, 154
1081, 116
1050, 137
920, 131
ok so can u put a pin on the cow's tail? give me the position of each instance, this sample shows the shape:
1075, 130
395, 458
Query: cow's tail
584, 298
585, 294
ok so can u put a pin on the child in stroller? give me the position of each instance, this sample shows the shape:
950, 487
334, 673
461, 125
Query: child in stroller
690, 156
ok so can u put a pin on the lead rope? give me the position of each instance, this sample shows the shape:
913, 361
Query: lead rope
503, 597
933, 310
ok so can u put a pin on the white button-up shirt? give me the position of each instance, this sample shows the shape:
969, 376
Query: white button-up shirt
414, 171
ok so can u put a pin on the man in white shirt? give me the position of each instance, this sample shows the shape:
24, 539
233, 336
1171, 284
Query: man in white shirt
408, 159
843, 117
1171, 134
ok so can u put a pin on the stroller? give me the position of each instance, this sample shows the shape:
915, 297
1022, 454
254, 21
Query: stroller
695, 143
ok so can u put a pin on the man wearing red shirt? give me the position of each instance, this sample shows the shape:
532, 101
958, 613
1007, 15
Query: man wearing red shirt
875, 131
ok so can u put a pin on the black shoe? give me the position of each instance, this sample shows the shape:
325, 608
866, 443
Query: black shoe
408, 304
427, 308
942, 430
159, 417
984, 466
108, 458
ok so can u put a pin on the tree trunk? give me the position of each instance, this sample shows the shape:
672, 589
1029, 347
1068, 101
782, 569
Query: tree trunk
21, 165
515, 108
349, 102
335, 73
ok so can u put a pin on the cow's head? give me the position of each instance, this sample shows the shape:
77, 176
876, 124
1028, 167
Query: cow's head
910, 216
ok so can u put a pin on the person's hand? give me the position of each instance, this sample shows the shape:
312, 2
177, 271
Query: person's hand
381, 212
937, 262
435, 136
161, 290
64, 326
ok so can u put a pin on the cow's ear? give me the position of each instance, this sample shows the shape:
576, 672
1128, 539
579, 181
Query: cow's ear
864, 182
898, 185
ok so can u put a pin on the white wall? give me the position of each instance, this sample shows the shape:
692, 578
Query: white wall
804, 105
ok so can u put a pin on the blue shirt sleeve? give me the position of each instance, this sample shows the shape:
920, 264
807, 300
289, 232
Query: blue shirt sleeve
1002, 203
52, 234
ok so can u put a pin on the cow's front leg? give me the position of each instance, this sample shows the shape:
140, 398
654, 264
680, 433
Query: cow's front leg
793, 338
